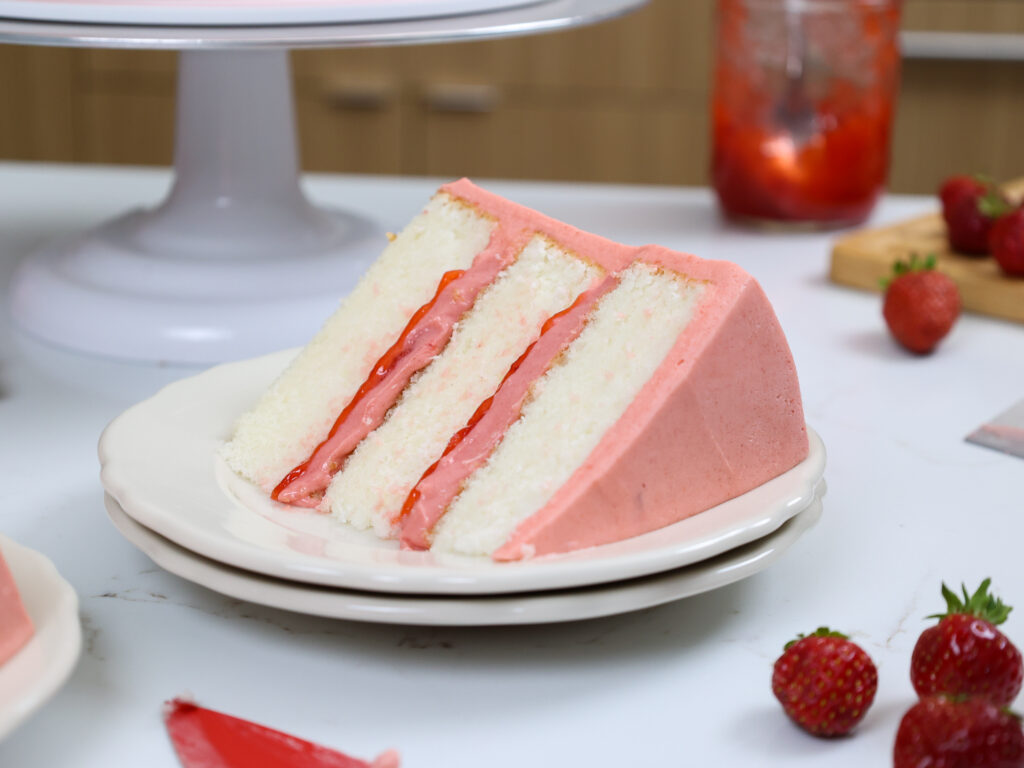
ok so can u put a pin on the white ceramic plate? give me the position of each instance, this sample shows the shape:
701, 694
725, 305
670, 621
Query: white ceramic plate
244, 12
38, 670
159, 461
533, 608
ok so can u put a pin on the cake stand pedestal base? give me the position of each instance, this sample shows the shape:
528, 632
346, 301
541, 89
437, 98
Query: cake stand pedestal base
236, 242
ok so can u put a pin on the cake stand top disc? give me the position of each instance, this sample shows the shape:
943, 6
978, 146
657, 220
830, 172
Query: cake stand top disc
233, 13
234, 24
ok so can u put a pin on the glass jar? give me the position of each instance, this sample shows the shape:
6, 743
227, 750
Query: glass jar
802, 110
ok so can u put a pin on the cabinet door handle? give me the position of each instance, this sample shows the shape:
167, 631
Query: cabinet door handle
461, 97
360, 94
979, 46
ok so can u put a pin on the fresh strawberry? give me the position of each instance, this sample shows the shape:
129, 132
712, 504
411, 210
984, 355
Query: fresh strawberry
959, 186
958, 732
921, 304
964, 653
825, 682
970, 205
1006, 241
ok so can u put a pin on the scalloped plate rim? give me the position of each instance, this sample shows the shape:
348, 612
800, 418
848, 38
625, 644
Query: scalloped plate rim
468, 610
180, 428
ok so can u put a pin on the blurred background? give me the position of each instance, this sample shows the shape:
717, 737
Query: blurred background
624, 101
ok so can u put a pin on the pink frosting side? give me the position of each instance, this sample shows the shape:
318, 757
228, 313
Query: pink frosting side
15, 625
720, 416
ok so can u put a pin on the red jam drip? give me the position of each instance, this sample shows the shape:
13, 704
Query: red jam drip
325, 456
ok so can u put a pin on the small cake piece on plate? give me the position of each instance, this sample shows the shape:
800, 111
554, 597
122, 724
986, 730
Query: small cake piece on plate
15, 625
502, 384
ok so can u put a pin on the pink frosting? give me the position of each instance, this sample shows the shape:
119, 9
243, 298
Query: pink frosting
721, 415
15, 624
442, 483
610, 255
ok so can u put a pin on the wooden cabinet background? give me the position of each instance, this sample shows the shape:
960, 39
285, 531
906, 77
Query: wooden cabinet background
622, 101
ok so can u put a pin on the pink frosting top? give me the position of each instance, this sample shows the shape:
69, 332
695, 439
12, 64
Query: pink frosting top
15, 625
610, 255
721, 415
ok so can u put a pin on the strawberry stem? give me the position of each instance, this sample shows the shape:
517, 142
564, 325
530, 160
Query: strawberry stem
993, 204
981, 604
819, 632
914, 264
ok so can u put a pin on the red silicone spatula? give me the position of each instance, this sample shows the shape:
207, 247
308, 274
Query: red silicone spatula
207, 739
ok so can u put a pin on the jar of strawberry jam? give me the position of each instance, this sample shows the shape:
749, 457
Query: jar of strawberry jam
802, 109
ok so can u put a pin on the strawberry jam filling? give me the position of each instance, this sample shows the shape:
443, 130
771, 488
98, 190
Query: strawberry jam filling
424, 336
470, 447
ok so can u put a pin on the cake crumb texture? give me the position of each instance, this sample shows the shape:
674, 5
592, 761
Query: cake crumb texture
505, 319
296, 412
571, 407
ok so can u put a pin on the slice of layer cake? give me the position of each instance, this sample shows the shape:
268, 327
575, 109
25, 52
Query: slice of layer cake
15, 625
502, 384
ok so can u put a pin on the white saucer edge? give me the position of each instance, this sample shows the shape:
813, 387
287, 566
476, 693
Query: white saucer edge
36, 672
473, 610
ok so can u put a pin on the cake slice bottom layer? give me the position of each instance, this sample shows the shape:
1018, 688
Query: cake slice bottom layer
572, 405
370, 489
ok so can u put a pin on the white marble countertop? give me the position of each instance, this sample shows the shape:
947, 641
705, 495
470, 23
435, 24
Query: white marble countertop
909, 504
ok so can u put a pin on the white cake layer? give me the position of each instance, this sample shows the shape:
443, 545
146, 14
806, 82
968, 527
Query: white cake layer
298, 410
505, 319
570, 407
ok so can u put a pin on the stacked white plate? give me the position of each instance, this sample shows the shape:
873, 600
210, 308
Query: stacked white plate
168, 493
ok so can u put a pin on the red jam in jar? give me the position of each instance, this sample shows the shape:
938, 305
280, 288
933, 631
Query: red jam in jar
802, 111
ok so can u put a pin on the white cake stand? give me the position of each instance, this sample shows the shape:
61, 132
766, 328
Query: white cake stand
236, 261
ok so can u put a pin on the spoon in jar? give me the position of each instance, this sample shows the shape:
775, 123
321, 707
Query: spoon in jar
794, 112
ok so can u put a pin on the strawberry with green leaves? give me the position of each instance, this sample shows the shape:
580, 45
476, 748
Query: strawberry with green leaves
825, 682
958, 732
964, 653
970, 206
921, 304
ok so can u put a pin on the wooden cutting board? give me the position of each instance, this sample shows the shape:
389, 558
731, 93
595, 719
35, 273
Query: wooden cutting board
863, 258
